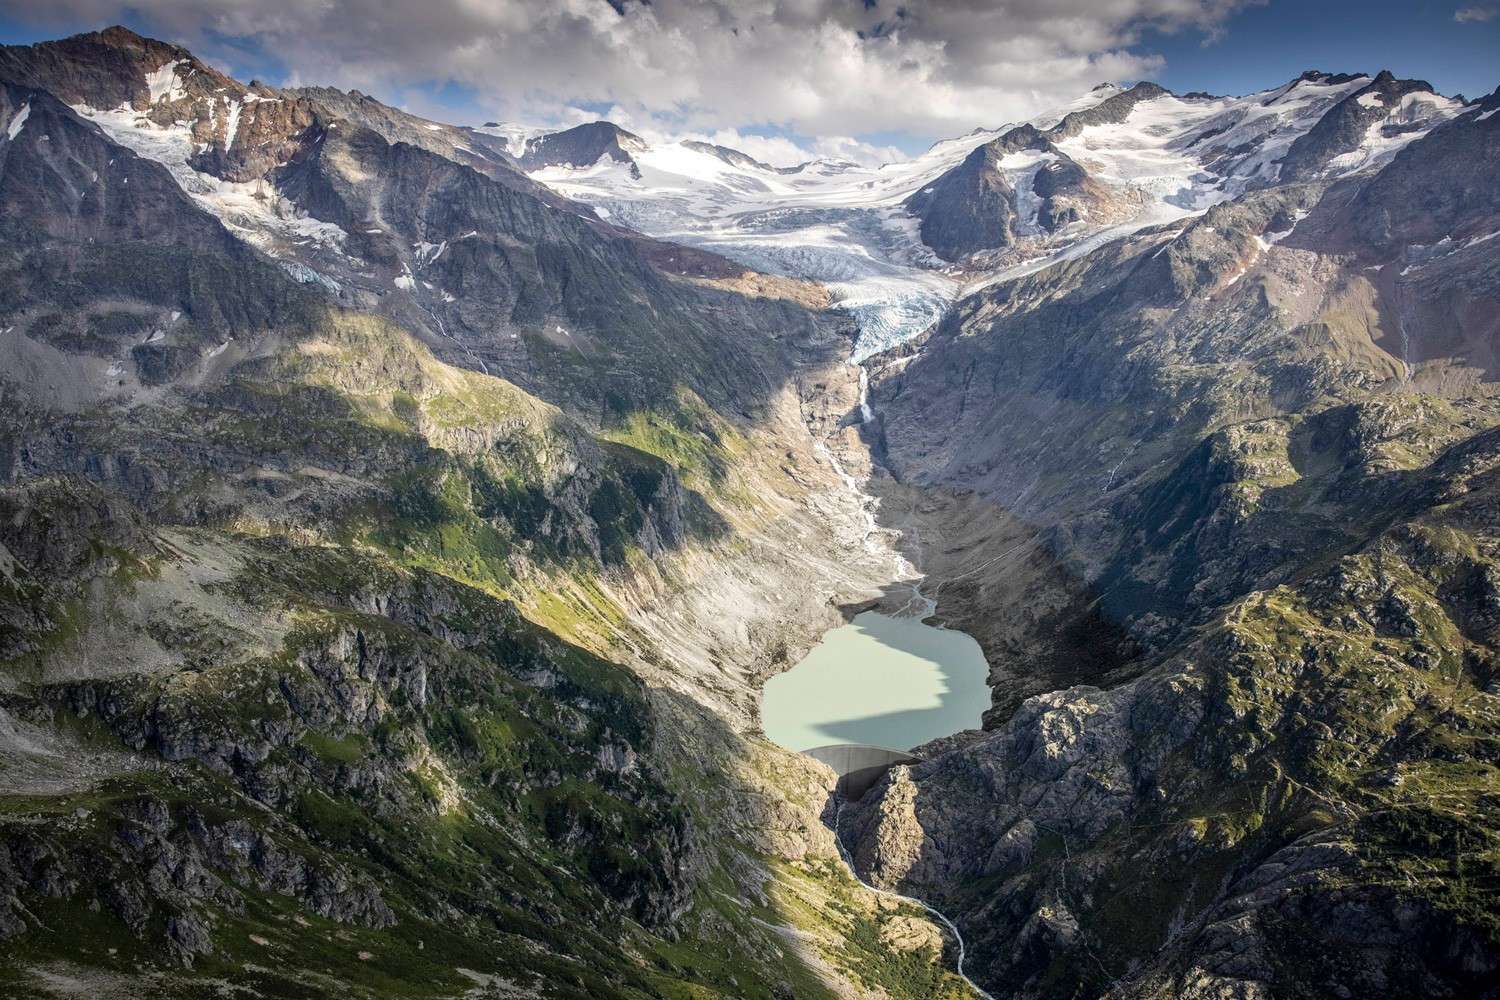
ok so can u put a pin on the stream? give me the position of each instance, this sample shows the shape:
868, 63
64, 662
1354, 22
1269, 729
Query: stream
963, 952
886, 680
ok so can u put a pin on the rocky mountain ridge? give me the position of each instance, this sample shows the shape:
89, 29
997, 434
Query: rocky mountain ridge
314, 626
393, 548
1005, 202
584, 145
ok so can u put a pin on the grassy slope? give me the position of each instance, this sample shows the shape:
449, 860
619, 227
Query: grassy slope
329, 665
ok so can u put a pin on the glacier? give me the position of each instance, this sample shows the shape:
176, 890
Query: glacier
844, 225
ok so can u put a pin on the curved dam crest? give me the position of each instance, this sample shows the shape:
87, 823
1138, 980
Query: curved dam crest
889, 682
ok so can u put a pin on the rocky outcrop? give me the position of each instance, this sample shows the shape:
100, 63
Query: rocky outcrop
973, 206
1344, 128
1436, 189
1110, 111
733, 157
1068, 195
114, 67
240, 132
583, 146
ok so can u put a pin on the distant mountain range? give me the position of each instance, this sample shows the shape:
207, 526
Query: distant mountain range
998, 202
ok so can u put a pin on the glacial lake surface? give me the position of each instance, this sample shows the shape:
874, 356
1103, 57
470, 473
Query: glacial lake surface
893, 682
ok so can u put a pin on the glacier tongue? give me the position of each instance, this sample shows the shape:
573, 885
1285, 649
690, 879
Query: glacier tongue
836, 223
846, 225
897, 312
870, 259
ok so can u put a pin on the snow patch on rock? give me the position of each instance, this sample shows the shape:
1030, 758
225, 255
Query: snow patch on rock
18, 121
164, 81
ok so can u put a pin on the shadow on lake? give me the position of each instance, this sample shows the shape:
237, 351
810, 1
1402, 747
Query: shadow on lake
888, 681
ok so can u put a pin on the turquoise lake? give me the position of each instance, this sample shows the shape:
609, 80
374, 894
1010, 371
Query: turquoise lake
893, 682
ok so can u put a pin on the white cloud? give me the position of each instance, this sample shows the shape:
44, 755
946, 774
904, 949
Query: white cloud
927, 68
1468, 14
777, 150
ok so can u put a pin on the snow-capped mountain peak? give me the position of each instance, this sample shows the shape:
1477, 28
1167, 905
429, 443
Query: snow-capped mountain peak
896, 243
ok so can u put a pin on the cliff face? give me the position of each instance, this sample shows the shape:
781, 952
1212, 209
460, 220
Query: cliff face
1266, 440
340, 475
974, 207
583, 146
967, 209
390, 552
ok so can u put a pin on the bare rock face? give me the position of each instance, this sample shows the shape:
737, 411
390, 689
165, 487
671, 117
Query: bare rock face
240, 133
1068, 194
973, 206
63, 179
1434, 190
1318, 128
1111, 111
243, 131
1345, 127
111, 68
583, 146
908, 934
890, 841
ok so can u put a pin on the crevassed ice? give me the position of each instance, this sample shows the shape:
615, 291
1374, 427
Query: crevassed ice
844, 225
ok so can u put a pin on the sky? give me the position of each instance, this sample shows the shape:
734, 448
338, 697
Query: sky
869, 80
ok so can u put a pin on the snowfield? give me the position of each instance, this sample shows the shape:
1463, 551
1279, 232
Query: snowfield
253, 211
843, 224
831, 221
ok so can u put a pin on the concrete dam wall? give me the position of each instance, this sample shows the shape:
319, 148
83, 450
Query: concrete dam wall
859, 765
